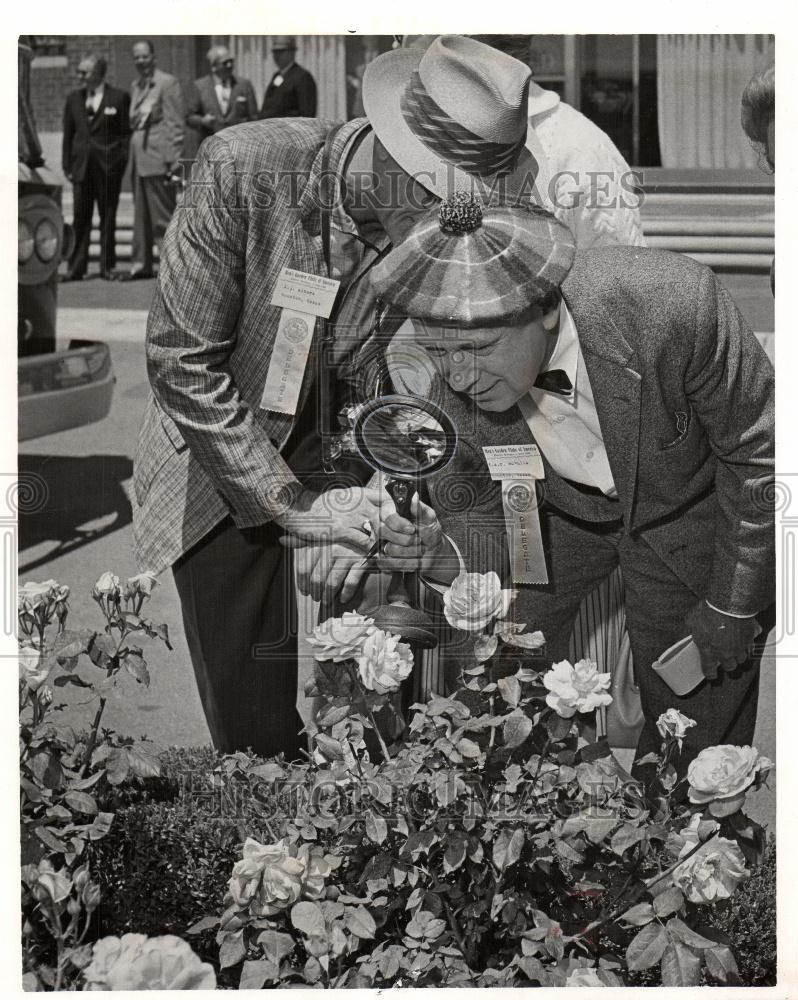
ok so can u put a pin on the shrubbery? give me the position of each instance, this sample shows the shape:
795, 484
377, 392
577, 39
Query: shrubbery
490, 845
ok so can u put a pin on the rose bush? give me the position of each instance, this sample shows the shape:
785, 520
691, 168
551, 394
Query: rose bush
136, 962
720, 777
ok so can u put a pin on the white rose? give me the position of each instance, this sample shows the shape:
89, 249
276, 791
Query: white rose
340, 639
474, 600
713, 872
34, 669
584, 977
143, 583
384, 662
267, 879
136, 962
33, 595
576, 688
57, 884
106, 586
673, 723
722, 775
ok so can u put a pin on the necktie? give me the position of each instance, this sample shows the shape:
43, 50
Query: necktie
554, 381
89, 104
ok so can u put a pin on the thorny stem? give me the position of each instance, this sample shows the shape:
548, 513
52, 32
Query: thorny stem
84, 767
639, 892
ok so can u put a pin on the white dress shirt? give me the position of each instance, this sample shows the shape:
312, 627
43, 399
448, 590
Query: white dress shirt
566, 428
222, 94
94, 100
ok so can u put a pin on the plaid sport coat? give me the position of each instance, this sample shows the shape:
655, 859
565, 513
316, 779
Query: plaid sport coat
206, 449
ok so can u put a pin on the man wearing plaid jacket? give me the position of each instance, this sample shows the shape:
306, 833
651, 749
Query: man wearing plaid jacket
219, 477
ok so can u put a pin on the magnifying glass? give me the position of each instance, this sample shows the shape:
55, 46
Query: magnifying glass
407, 439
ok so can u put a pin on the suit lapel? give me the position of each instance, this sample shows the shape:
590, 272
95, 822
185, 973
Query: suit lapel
613, 369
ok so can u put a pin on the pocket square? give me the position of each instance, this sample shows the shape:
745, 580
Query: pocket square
242, 99
109, 111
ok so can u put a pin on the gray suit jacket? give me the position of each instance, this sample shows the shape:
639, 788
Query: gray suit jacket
203, 101
685, 400
157, 116
207, 449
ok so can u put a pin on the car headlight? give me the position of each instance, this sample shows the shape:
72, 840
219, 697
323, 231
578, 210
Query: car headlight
46, 240
25, 242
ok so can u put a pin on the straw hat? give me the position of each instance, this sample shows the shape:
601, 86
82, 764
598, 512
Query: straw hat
455, 113
466, 264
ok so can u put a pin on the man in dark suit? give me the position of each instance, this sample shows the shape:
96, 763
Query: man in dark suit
641, 407
94, 157
292, 90
221, 98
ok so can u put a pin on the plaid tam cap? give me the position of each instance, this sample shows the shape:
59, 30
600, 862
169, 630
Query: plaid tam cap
468, 264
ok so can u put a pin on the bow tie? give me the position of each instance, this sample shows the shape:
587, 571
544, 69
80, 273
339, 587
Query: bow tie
554, 381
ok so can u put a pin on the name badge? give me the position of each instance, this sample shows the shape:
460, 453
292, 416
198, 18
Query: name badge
288, 361
305, 293
517, 466
509, 461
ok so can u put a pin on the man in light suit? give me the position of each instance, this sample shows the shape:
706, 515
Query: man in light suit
94, 157
292, 90
221, 98
651, 404
157, 117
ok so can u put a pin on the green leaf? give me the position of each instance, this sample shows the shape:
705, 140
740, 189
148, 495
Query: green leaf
360, 922
510, 690
642, 913
84, 783
376, 828
275, 945
557, 727
232, 950
49, 839
255, 974
680, 966
136, 665
308, 918
626, 837
102, 650
144, 761
312, 970
507, 848
681, 932
203, 925
670, 901
468, 748
721, 965
74, 679
455, 853
517, 728
647, 947
330, 748
268, 772
100, 826
337, 710
117, 766
81, 802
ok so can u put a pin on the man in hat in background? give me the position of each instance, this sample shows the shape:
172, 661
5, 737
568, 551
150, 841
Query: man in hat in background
221, 98
641, 408
292, 90
225, 466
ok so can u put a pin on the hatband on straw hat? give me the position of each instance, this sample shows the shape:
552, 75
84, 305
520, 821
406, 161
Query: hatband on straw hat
453, 115
467, 264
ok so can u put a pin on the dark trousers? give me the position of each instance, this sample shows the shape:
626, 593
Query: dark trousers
100, 188
155, 199
237, 594
239, 613
657, 603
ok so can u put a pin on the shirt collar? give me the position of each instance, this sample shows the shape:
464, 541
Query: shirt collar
99, 90
565, 355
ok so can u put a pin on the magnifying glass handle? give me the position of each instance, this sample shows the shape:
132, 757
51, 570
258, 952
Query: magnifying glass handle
401, 492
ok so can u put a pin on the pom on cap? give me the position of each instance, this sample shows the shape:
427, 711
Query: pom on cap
460, 213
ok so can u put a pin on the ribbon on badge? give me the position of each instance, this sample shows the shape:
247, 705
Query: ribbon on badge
518, 467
